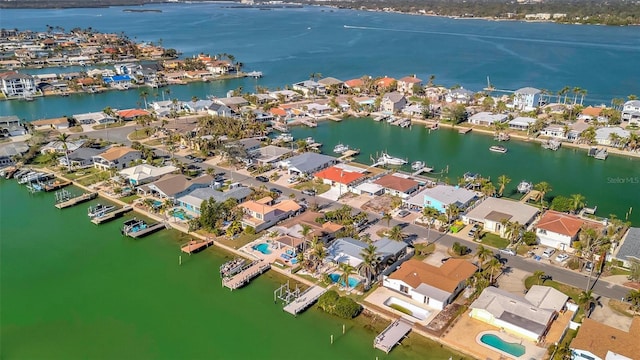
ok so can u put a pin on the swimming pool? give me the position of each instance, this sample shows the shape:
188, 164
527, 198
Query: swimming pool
353, 282
416, 312
182, 215
495, 341
263, 248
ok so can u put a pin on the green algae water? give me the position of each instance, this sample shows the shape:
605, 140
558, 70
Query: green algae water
73, 290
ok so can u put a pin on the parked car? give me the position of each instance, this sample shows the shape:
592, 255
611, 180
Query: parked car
220, 174
190, 157
403, 213
548, 252
508, 252
473, 230
588, 267
292, 179
309, 192
262, 178
562, 257
275, 190
198, 160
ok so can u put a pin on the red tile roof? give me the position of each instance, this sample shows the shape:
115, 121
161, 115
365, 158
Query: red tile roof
560, 223
131, 113
447, 277
278, 111
396, 183
339, 175
353, 83
385, 82
592, 111
410, 79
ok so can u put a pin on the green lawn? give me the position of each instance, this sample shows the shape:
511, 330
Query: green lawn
76, 129
568, 290
81, 172
319, 188
139, 134
493, 240
423, 250
154, 142
129, 199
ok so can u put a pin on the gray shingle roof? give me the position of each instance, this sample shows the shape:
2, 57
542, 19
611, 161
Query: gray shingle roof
527, 90
630, 247
310, 161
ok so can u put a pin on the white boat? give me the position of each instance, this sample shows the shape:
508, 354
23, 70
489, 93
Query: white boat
99, 210
498, 148
390, 160
310, 140
552, 145
340, 148
417, 165
524, 187
285, 137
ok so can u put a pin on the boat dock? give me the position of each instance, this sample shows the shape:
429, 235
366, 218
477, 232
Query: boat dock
306, 299
247, 274
138, 228
392, 335
308, 122
600, 154
55, 185
194, 246
425, 169
463, 131
531, 195
280, 126
349, 154
76, 200
115, 213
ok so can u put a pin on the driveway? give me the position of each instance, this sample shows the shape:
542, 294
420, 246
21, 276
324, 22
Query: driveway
604, 314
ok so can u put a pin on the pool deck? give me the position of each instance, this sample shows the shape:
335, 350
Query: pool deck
465, 329
381, 294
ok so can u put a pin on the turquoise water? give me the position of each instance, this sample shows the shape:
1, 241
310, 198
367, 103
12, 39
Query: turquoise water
514, 349
263, 248
289, 44
353, 282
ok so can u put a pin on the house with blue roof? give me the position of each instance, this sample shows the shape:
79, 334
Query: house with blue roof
118, 80
441, 197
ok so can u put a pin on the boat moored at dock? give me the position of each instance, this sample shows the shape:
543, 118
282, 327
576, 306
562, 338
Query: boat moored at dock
598, 153
498, 148
99, 210
138, 228
386, 159
524, 187
340, 148
551, 145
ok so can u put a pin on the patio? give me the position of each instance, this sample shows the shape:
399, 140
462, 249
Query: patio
381, 296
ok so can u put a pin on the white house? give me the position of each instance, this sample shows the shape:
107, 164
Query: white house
597, 341
631, 112
492, 211
145, 173
521, 123
15, 84
436, 287
307, 163
11, 126
459, 96
485, 118
527, 99
309, 88
117, 157
554, 131
558, 230
605, 136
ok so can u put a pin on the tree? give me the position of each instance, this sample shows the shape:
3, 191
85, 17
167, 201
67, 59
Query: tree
347, 271
503, 180
544, 188
143, 95
63, 138
577, 202
539, 274
634, 298
452, 212
395, 233
587, 301
369, 266
456, 114
387, 217
493, 266
459, 249
483, 254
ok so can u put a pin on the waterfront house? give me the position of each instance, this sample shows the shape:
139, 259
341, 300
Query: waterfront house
393, 102
119, 81
413, 110
590, 113
407, 84
459, 96
325, 231
528, 317
354, 84
629, 249
332, 85
55, 123
285, 96
316, 110
14, 84
173, 186
117, 157
349, 250
554, 131
631, 112
441, 197
611, 136
58, 147
232, 102
262, 116
264, 213
341, 178
307, 163
94, 118
11, 126
597, 341
491, 212
8, 152
397, 185
192, 201
527, 99
485, 118
220, 110
386, 84
521, 123
434, 286
197, 106
132, 114
81, 158
310, 88
269, 154
145, 173
559, 230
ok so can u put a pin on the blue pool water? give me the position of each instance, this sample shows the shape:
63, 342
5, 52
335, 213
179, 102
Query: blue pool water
263, 248
157, 204
182, 216
496, 342
353, 282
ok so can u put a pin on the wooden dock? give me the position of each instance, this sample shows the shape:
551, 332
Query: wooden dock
246, 275
392, 335
55, 185
116, 213
349, 154
306, 299
464, 130
77, 200
196, 246
146, 230
308, 122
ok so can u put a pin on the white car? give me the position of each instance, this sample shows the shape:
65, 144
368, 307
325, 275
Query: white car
508, 252
548, 252
292, 179
562, 257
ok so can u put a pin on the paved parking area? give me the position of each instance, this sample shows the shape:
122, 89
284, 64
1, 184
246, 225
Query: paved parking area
512, 280
438, 255
604, 314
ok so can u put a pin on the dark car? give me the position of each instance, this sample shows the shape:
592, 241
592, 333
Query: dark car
274, 190
309, 192
222, 173
262, 178
198, 160
190, 157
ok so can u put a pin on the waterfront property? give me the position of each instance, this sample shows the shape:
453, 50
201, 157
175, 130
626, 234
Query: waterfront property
436, 287
527, 317
527, 99
392, 335
521, 123
598, 341
611, 136
264, 213
631, 112
172, 186
629, 249
340, 177
294, 227
393, 102
485, 118
397, 185
116, 157
307, 163
559, 230
59, 147
349, 250
192, 201
441, 197
145, 173
17, 85
269, 155
491, 211
81, 158
11, 126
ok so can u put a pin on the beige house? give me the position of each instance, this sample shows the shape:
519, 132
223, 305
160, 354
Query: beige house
117, 157
264, 213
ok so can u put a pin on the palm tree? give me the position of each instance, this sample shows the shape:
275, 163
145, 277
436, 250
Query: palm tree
483, 253
577, 201
543, 187
395, 233
431, 79
587, 301
368, 268
503, 180
538, 274
347, 271
494, 265
452, 212
63, 137
305, 231
387, 217
634, 297
583, 93
143, 95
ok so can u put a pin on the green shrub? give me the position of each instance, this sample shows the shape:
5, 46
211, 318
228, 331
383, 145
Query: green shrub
340, 306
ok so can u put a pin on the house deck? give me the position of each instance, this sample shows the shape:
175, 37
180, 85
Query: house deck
195, 246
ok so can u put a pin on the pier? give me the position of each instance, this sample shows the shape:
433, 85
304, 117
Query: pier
424, 169
194, 246
463, 131
308, 122
55, 185
246, 275
531, 195
349, 154
280, 127
108, 216
305, 300
76, 200
139, 228
392, 335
